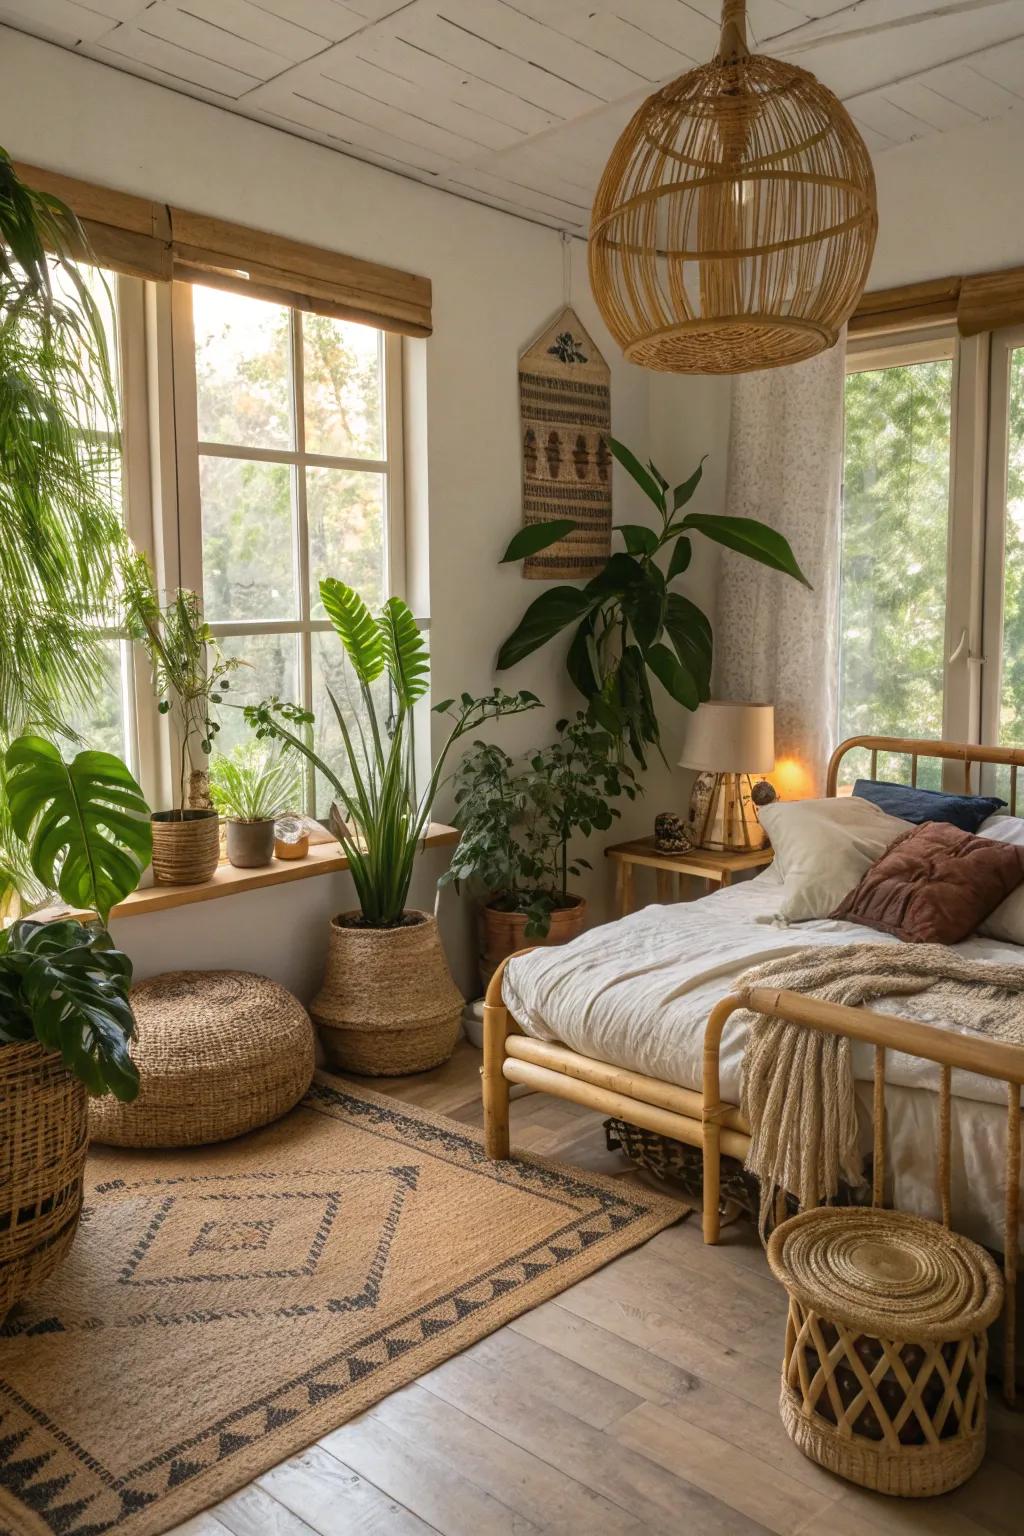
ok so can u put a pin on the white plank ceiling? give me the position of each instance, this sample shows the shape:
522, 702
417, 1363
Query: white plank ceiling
517, 103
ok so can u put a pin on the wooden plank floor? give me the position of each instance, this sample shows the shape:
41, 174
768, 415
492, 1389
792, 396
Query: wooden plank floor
643, 1399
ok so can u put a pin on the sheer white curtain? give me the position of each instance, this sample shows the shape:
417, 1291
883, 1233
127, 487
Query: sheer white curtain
775, 642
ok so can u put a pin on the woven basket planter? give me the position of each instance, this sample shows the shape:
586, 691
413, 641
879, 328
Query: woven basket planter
883, 1380
43, 1142
388, 1004
503, 933
219, 1053
186, 846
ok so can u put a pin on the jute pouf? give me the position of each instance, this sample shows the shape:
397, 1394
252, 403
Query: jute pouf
883, 1379
388, 1004
43, 1142
219, 1053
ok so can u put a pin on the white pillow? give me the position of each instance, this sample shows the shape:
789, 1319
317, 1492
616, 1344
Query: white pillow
823, 847
1007, 921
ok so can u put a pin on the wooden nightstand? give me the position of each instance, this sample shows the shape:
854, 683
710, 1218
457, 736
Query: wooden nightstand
715, 868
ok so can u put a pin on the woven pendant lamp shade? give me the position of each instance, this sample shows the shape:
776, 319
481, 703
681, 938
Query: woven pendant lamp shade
734, 224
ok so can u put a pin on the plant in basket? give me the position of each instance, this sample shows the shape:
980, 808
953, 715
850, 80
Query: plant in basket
190, 678
388, 1004
517, 818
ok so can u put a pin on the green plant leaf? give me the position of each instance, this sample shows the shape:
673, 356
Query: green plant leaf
86, 823
535, 537
546, 617
682, 554
683, 493
748, 537
643, 477
673, 676
405, 652
639, 540
690, 633
644, 607
356, 627
581, 663
621, 572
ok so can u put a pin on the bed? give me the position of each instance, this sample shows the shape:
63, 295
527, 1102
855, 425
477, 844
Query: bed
633, 1018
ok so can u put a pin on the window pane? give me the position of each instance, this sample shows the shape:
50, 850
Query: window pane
894, 537
345, 514
330, 671
1011, 713
247, 539
243, 369
101, 722
272, 669
342, 394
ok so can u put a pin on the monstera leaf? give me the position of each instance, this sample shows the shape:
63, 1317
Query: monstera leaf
66, 985
85, 823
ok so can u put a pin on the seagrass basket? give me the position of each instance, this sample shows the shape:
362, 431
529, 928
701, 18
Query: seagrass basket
43, 1141
883, 1380
388, 1004
218, 1053
186, 846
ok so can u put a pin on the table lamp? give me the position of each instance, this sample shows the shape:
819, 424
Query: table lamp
727, 743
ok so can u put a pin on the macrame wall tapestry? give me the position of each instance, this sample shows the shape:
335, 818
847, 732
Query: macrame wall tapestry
565, 418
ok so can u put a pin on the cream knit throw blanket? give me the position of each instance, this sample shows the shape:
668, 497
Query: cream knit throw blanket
798, 1085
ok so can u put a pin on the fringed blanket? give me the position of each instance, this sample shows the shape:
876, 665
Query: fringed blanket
798, 1084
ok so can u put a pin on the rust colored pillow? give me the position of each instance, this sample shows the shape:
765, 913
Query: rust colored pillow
934, 885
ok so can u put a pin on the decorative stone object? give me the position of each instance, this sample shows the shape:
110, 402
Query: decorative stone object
670, 833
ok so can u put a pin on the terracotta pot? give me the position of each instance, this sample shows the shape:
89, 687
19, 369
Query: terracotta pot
388, 1004
250, 843
502, 933
44, 1134
186, 846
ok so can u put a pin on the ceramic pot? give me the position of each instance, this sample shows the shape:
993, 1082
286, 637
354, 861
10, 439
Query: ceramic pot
502, 933
186, 846
250, 843
44, 1131
388, 1004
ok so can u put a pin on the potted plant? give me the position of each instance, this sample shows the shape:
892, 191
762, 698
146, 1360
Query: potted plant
517, 819
65, 1014
630, 625
190, 677
388, 1004
251, 789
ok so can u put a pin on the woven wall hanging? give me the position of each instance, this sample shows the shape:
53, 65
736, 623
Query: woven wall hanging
565, 418
734, 224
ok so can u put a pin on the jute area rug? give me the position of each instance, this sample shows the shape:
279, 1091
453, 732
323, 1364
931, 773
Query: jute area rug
225, 1306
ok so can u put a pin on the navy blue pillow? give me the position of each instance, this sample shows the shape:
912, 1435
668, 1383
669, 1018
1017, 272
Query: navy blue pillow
919, 805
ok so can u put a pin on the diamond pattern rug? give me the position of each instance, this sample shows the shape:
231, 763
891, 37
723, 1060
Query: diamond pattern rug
224, 1307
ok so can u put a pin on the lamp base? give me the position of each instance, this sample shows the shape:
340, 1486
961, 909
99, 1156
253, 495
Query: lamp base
723, 815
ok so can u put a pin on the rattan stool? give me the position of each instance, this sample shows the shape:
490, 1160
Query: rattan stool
218, 1053
883, 1380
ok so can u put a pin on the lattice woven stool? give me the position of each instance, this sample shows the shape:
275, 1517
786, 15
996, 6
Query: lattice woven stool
883, 1380
219, 1053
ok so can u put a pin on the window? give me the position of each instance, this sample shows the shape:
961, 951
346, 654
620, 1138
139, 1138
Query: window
895, 535
275, 435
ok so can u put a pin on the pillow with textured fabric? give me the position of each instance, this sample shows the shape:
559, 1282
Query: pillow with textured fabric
934, 885
920, 805
822, 847
1007, 921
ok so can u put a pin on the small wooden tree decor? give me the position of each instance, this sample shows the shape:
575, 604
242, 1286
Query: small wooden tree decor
734, 224
565, 417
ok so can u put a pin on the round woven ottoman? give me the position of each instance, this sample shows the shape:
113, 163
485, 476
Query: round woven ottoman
218, 1053
883, 1379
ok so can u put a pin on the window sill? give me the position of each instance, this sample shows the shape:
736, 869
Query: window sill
322, 859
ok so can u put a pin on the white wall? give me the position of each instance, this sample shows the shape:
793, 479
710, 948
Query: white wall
496, 281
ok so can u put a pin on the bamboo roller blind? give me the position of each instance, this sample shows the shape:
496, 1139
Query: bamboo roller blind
981, 302
156, 241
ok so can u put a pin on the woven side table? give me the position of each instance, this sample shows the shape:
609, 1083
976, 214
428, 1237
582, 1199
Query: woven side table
883, 1380
219, 1053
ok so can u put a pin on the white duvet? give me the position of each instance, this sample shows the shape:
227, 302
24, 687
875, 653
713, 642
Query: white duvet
637, 992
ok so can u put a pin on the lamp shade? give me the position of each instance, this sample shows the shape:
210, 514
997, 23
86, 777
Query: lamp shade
723, 737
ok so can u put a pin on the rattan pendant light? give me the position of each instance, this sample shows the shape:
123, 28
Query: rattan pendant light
734, 223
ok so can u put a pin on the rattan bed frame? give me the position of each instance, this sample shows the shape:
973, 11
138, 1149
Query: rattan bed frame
702, 1119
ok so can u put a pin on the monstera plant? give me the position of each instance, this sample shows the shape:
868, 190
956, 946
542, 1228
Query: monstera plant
630, 624
85, 828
